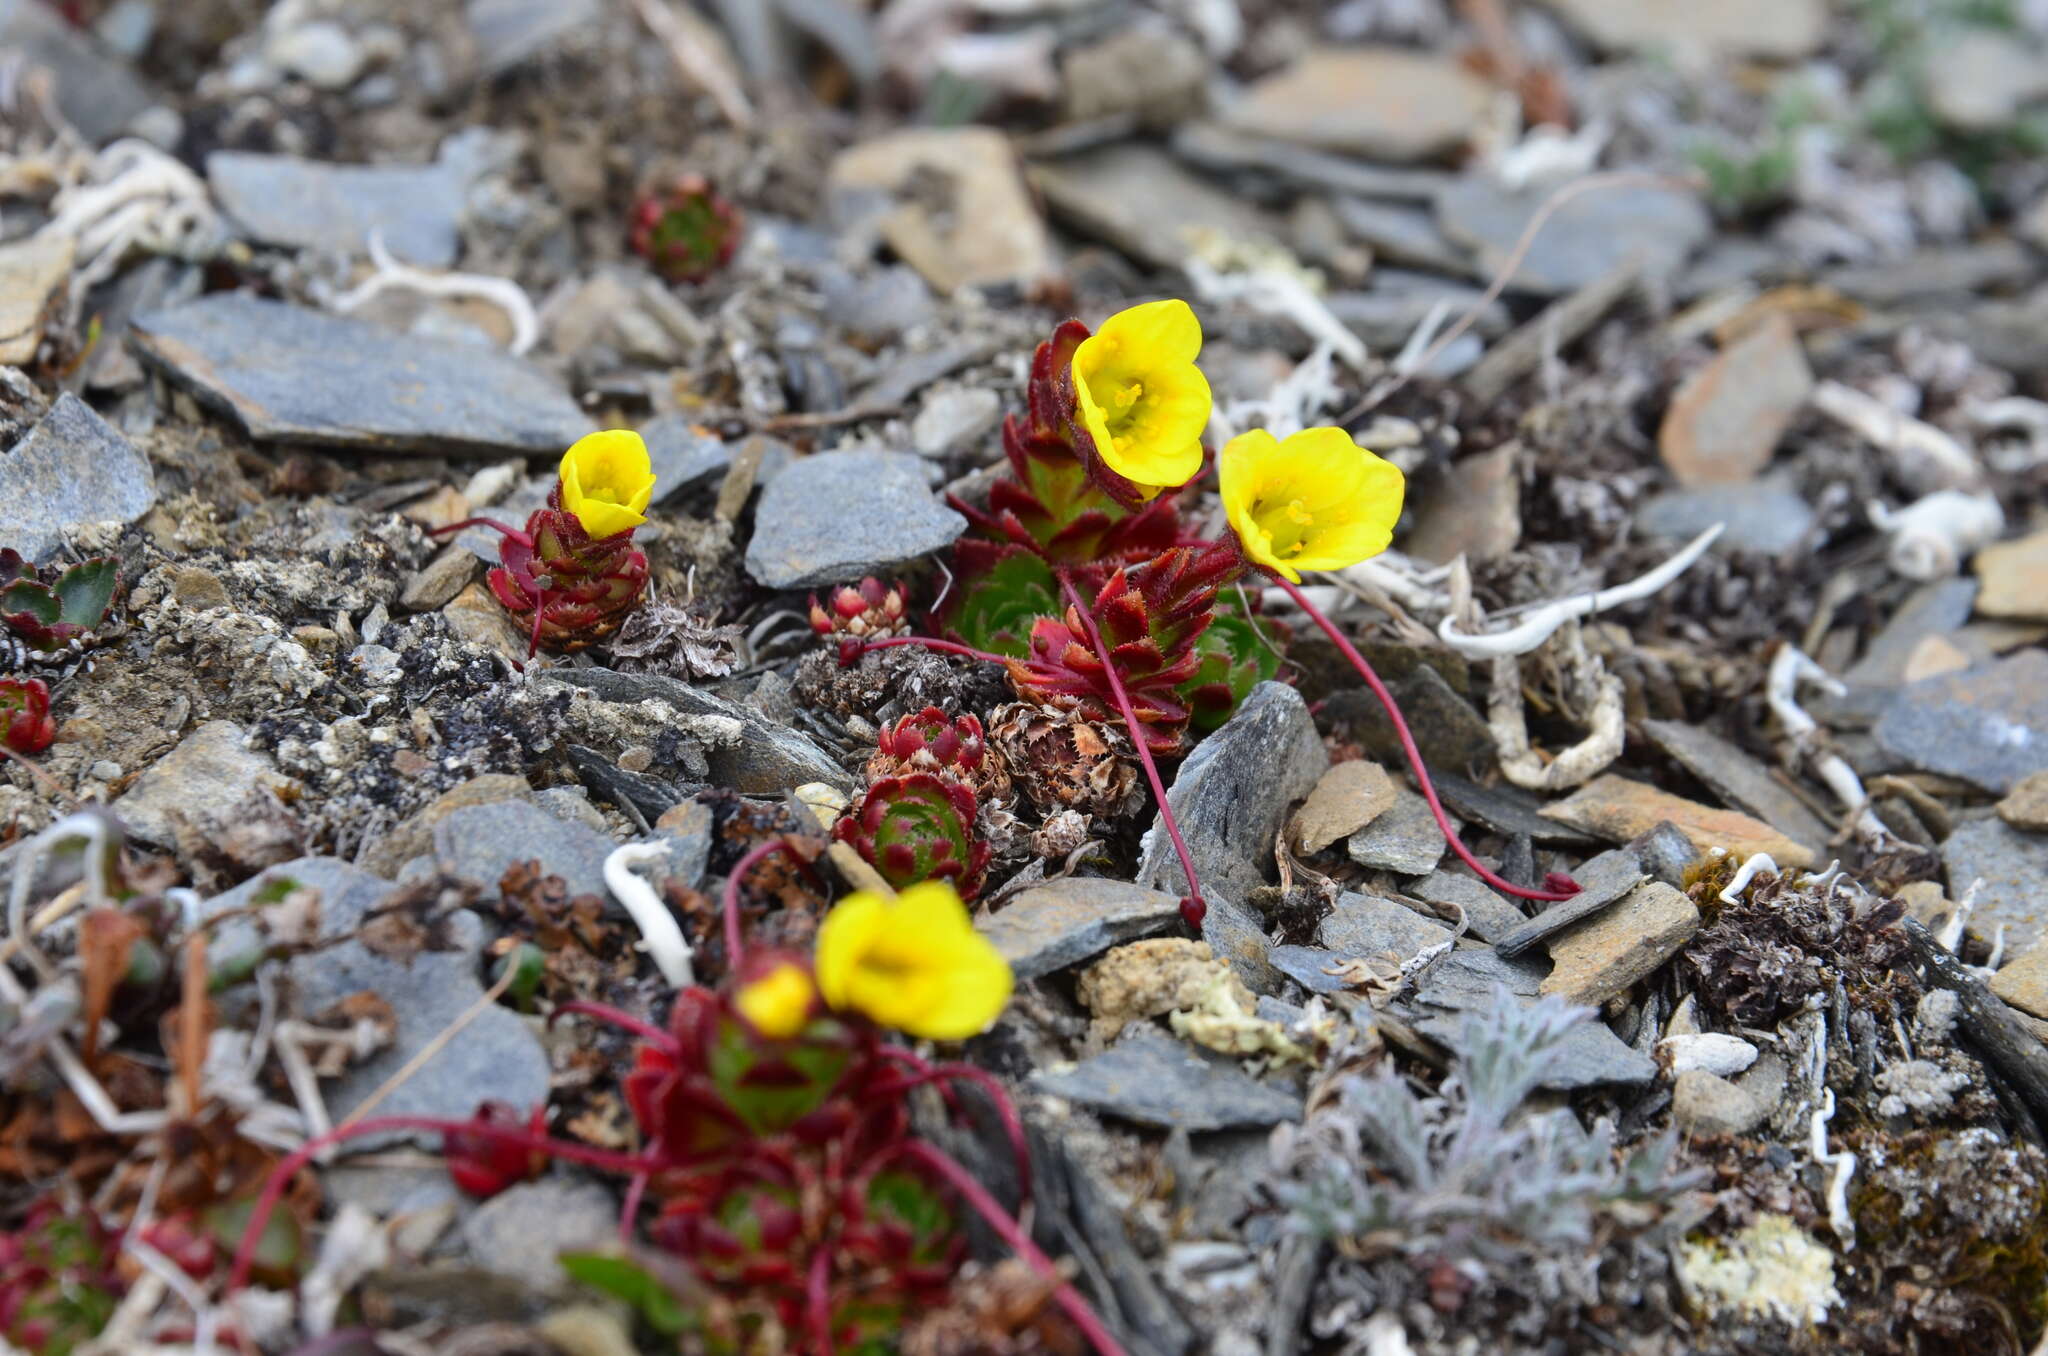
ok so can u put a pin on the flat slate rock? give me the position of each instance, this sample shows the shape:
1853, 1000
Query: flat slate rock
301, 376
1152, 1079
1507, 810
70, 470
483, 841
1988, 726
507, 32
766, 759
1366, 925
1590, 1055
1308, 966
416, 210
686, 456
1582, 240
837, 516
2014, 867
1470, 978
1602, 881
1763, 516
95, 91
1490, 914
1065, 922
495, 1055
1404, 840
1232, 794
1739, 779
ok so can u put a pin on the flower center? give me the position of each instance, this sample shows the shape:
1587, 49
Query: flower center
1286, 524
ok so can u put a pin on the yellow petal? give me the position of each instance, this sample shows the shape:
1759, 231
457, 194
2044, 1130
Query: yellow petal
777, 1004
1165, 331
607, 481
843, 941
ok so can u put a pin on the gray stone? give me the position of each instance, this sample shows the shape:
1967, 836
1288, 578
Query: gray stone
294, 375
1949, 274
387, 854
2014, 868
1387, 103
1979, 79
1404, 840
1445, 727
766, 758
323, 54
521, 1231
495, 1056
1386, 317
878, 303
1708, 1104
1988, 726
1583, 239
688, 829
72, 469
1761, 516
1238, 935
1739, 780
841, 515
1309, 966
482, 842
1232, 794
954, 420
1144, 202
1589, 1055
513, 510
1365, 925
1470, 977
416, 210
1934, 609
1602, 881
1666, 853
1152, 1079
1507, 810
434, 585
1404, 233
509, 31
1489, 914
686, 457
1214, 147
97, 94
1064, 922
202, 782
1777, 30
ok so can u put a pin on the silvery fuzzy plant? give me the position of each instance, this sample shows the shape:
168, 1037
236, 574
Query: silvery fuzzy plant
1458, 1176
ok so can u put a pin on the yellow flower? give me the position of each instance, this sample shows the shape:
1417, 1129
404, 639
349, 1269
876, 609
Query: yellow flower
607, 481
1142, 399
914, 964
778, 1003
1317, 501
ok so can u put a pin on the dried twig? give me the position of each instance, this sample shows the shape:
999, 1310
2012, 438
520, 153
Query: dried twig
503, 293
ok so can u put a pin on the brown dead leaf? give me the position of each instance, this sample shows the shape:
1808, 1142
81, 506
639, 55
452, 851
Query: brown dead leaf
106, 944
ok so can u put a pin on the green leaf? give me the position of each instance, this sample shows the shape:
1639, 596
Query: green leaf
1239, 651
86, 591
996, 610
26, 595
625, 1279
280, 1252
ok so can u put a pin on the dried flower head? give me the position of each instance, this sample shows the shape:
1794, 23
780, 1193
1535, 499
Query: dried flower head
1140, 397
913, 964
1316, 501
607, 482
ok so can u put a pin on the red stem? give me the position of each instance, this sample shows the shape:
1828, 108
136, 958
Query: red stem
937, 1074
629, 1211
605, 1012
1443, 822
1192, 908
491, 523
1012, 1233
281, 1175
932, 643
818, 1300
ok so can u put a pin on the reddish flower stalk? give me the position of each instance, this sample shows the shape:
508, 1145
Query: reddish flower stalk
287, 1167
731, 896
860, 648
1005, 1226
1562, 886
605, 1012
938, 1075
1192, 908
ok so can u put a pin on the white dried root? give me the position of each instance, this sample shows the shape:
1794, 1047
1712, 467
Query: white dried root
1789, 668
1591, 688
1922, 455
133, 197
1540, 622
1933, 535
503, 293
